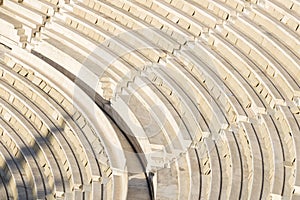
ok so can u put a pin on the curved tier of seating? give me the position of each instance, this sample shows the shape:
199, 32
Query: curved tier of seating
48, 135
149, 99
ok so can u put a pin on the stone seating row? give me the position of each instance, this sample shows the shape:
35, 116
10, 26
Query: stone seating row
136, 23
44, 6
133, 54
13, 31
283, 13
54, 94
237, 5
218, 9
265, 62
154, 20
5, 190
271, 21
172, 93
281, 147
94, 146
24, 152
64, 41
185, 15
42, 150
77, 124
108, 74
31, 18
118, 30
212, 81
254, 79
268, 44
284, 149
244, 91
12, 176
241, 145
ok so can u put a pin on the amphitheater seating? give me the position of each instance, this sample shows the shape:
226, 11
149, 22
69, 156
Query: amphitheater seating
19, 82
149, 99
268, 45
